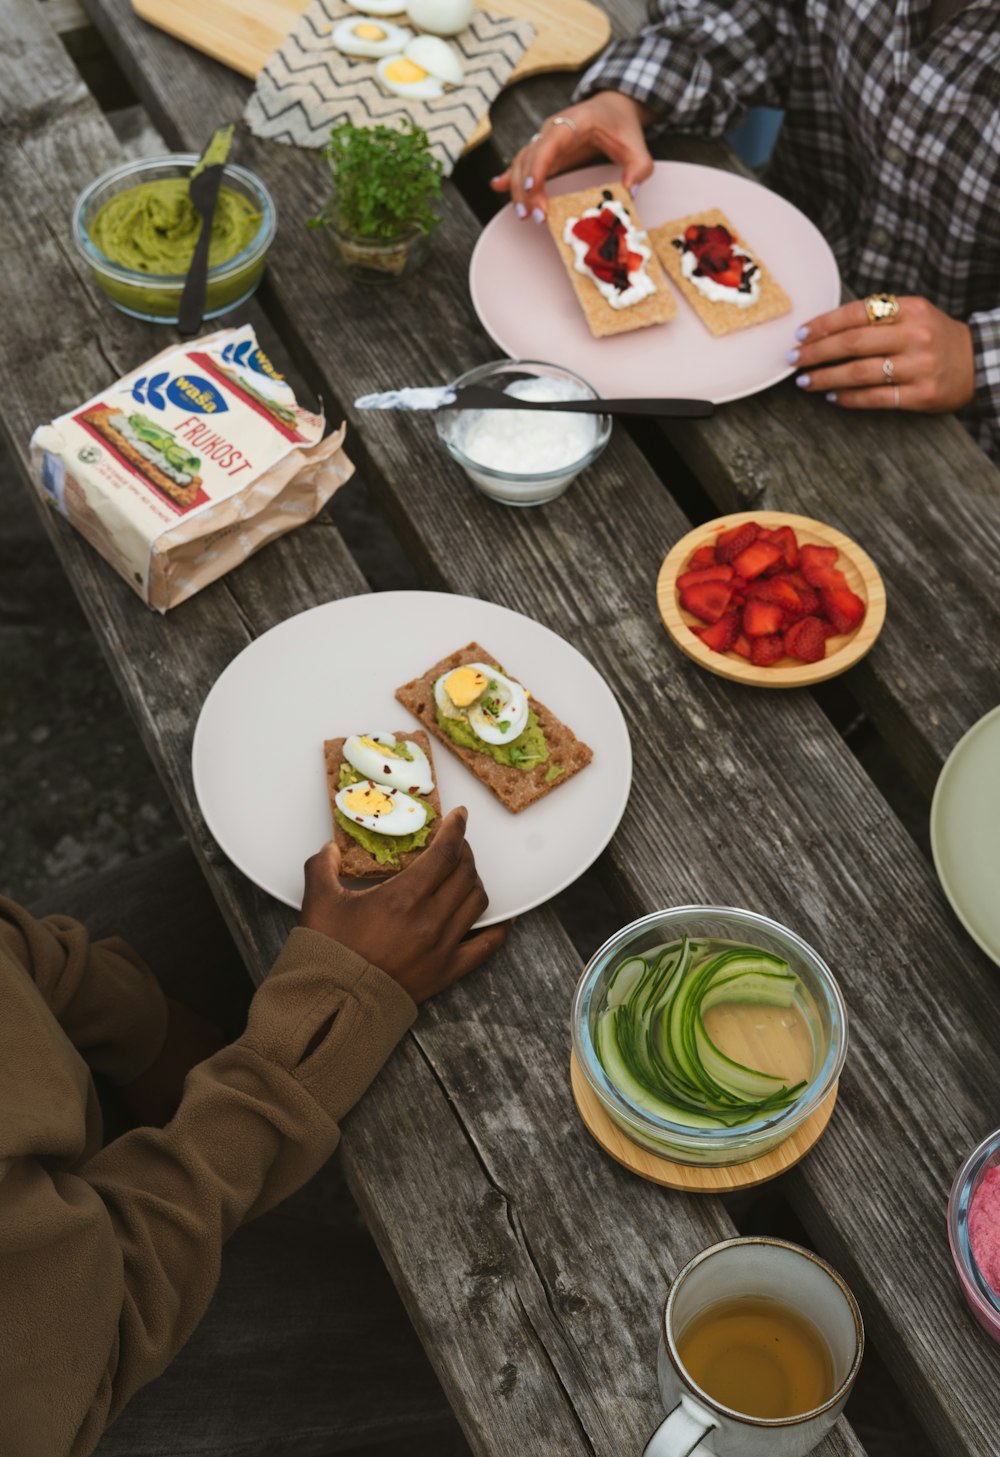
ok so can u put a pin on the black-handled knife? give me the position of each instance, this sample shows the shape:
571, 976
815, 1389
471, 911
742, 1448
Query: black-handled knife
203, 189
481, 397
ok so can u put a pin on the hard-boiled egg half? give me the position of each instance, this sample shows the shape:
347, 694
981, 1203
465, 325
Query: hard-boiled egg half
364, 36
494, 707
387, 760
379, 808
378, 7
427, 66
441, 17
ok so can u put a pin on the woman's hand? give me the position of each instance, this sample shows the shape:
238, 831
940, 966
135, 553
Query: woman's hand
607, 123
412, 925
843, 356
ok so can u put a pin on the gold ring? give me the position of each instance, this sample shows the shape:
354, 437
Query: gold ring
563, 121
887, 370
882, 308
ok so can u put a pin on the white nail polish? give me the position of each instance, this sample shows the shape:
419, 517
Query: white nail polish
521, 210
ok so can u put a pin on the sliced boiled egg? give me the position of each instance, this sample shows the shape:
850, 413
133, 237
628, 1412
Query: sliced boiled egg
494, 706
427, 66
364, 36
379, 808
400, 763
378, 7
441, 17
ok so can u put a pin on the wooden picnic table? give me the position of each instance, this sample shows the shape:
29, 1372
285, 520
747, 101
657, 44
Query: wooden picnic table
532, 1266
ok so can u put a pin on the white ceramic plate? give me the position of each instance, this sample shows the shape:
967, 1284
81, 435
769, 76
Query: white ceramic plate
258, 745
525, 301
965, 831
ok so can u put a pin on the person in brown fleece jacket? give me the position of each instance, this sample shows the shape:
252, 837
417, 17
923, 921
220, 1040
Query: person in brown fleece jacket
110, 1255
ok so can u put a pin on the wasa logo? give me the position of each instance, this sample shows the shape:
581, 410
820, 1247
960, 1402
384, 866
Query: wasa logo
187, 391
247, 355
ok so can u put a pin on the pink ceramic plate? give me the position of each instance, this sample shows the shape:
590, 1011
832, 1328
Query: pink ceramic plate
526, 302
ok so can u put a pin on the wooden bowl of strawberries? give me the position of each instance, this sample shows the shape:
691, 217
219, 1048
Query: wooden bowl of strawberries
772, 599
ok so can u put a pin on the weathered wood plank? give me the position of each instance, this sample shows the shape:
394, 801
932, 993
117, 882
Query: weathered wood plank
543, 1329
733, 770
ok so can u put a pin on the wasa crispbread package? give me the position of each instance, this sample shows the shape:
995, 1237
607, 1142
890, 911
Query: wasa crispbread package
190, 464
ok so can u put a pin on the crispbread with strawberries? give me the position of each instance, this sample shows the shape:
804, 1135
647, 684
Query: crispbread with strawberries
657, 308
716, 236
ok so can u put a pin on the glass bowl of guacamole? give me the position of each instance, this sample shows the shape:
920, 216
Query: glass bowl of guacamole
136, 228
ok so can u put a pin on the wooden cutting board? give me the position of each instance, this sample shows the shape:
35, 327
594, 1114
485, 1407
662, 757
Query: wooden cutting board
243, 33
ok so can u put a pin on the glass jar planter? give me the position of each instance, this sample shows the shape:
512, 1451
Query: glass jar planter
374, 260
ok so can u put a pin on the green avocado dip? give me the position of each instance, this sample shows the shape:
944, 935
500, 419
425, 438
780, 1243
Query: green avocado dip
527, 751
153, 228
386, 849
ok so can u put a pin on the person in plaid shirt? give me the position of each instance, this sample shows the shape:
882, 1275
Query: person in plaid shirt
890, 143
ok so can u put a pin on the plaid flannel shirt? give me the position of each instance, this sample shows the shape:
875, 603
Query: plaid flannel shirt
891, 138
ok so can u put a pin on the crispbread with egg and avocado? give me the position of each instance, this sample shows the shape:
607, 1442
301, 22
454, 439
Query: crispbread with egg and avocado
356, 862
515, 787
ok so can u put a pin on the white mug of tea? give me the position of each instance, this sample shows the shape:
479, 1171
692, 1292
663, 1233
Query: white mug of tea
760, 1346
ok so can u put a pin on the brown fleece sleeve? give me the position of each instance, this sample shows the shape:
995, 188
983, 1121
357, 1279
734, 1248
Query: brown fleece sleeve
109, 1268
105, 999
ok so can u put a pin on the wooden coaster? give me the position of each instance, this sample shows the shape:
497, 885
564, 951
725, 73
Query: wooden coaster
842, 652
695, 1178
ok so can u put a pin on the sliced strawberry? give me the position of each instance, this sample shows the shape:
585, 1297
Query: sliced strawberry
828, 628
722, 634
707, 600
784, 537
764, 651
808, 598
720, 573
812, 555
819, 576
818, 566
780, 591
741, 645
735, 540
703, 557
843, 607
757, 558
806, 640
762, 619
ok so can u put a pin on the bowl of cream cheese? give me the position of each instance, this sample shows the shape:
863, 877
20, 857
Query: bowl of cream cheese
524, 457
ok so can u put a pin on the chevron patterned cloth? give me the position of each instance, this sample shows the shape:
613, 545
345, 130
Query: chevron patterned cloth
308, 86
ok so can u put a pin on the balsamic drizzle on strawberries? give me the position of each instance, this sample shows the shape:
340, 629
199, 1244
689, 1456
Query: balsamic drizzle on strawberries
713, 247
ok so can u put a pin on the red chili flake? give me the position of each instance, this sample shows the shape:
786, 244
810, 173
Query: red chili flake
386, 769
413, 789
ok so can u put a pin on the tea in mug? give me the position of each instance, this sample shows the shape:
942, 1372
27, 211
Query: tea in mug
759, 1357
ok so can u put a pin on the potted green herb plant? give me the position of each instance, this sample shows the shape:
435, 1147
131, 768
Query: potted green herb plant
380, 216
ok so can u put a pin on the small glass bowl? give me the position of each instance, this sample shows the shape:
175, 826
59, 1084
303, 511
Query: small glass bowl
982, 1301
522, 489
713, 1146
156, 297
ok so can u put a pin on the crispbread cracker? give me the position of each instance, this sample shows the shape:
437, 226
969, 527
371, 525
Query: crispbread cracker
719, 318
515, 788
355, 861
183, 495
602, 318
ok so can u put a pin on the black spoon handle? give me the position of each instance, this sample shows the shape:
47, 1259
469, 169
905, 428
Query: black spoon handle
481, 397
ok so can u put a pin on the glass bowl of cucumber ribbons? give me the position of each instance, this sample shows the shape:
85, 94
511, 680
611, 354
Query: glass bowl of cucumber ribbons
709, 1034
